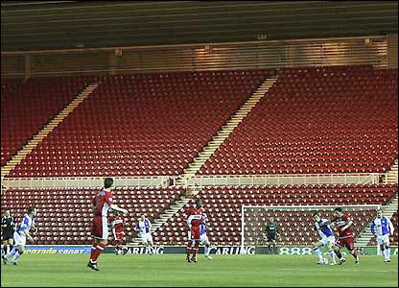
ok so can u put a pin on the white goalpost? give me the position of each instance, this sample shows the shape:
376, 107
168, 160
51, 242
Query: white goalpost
296, 220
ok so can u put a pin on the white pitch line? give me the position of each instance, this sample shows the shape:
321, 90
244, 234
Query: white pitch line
346, 271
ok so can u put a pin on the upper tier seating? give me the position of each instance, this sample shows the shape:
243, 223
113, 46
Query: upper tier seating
317, 120
8, 88
223, 208
142, 124
64, 215
30, 106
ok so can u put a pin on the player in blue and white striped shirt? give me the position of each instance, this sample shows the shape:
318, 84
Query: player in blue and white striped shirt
144, 227
382, 228
20, 235
322, 226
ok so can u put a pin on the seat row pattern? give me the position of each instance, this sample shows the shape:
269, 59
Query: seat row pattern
28, 107
141, 124
223, 209
316, 121
65, 215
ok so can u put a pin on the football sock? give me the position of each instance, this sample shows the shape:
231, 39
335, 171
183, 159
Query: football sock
188, 251
332, 255
93, 250
17, 255
387, 252
206, 250
384, 253
196, 247
195, 253
11, 253
354, 254
339, 254
318, 253
100, 247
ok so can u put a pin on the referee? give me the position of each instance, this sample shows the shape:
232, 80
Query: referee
7, 230
271, 233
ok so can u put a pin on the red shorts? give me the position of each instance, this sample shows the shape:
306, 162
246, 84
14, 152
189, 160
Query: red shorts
99, 228
349, 243
195, 233
118, 235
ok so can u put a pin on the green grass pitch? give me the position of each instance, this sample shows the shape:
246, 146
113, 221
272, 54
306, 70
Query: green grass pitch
59, 270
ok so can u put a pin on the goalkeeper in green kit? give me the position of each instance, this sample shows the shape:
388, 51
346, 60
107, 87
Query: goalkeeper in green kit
271, 233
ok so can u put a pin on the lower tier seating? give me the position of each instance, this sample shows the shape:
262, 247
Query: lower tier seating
223, 208
65, 215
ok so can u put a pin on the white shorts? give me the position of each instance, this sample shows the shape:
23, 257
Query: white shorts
204, 239
383, 239
20, 240
146, 237
326, 240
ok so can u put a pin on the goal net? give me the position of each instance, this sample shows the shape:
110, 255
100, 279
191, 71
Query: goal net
295, 223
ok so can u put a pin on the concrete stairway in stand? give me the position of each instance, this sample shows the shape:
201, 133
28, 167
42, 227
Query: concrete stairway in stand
204, 155
225, 131
163, 218
32, 144
392, 175
387, 211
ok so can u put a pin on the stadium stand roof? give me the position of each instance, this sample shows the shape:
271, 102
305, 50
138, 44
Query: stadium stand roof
38, 25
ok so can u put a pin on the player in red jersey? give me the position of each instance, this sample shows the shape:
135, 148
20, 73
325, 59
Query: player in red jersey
101, 203
195, 216
116, 223
343, 224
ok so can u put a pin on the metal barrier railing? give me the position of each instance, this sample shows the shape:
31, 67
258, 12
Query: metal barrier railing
195, 182
284, 179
